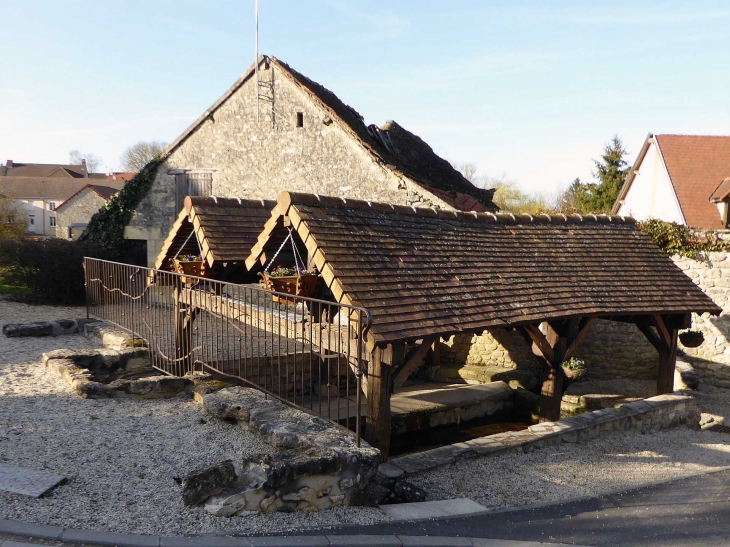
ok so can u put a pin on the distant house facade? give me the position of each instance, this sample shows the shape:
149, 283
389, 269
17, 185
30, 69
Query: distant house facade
290, 133
679, 178
39, 188
73, 215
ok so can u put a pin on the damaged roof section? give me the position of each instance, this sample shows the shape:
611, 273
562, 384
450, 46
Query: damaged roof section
400, 150
422, 272
220, 229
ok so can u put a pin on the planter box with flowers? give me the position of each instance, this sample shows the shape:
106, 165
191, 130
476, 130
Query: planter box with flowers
291, 281
190, 265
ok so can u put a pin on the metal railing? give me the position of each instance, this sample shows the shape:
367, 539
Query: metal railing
303, 351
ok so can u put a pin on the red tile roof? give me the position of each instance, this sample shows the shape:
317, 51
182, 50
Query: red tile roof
424, 271
696, 164
104, 192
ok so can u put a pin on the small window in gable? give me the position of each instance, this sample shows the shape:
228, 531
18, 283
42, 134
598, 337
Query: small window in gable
300, 119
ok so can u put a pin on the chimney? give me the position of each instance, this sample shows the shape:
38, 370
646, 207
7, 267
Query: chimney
9, 164
83, 164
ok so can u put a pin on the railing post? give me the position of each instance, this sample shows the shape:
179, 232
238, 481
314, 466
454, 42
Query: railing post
86, 287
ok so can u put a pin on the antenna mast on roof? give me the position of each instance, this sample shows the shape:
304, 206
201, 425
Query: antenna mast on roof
256, 62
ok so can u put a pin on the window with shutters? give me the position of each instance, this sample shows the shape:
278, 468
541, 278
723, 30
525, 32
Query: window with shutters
192, 184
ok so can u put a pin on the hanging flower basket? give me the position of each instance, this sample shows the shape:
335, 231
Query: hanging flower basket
192, 265
288, 281
574, 369
691, 338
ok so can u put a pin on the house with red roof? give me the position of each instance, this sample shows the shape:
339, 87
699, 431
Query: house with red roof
679, 178
37, 189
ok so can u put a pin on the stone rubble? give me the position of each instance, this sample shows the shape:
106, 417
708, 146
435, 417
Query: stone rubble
318, 465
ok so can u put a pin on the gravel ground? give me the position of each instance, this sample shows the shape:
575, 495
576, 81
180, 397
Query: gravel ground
122, 456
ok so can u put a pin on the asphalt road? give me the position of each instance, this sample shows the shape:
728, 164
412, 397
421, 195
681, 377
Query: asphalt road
693, 511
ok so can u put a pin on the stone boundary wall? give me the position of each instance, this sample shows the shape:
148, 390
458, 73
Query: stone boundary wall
648, 415
712, 358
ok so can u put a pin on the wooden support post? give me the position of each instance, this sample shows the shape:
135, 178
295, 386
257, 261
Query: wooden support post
378, 421
551, 393
664, 339
555, 347
184, 317
667, 354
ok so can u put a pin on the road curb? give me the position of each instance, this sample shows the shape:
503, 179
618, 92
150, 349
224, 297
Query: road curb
91, 537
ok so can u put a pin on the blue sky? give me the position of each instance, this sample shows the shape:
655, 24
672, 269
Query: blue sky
531, 90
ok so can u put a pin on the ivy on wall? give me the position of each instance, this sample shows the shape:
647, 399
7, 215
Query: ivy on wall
673, 238
106, 227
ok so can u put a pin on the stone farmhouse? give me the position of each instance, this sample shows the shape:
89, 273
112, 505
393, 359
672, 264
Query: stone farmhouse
72, 216
679, 178
290, 133
38, 188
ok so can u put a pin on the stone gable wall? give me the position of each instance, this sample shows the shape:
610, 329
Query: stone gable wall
80, 209
259, 160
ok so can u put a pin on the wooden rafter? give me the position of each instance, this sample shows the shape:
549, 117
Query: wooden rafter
412, 361
536, 335
651, 336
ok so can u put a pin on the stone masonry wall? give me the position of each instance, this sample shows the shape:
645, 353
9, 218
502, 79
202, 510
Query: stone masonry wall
79, 209
259, 160
610, 349
712, 358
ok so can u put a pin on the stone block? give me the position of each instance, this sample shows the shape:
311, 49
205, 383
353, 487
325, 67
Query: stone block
38, 328
201, 484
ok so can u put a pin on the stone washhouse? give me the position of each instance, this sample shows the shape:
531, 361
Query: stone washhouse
428, 274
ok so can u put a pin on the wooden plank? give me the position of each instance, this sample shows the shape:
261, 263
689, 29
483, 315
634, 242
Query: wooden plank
412, 361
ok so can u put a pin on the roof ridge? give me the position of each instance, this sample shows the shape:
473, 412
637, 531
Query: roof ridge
693, 135
220, 201
287, 199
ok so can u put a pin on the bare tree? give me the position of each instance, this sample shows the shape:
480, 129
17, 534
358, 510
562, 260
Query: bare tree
92, 161
138, 155
508, 196
12, 221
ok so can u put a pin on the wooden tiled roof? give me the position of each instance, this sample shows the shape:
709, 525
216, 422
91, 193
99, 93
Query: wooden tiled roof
227, 229
422, 271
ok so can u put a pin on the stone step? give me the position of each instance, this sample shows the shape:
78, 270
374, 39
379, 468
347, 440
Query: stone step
433, 404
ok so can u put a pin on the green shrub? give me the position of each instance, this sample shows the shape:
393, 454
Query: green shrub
48, 271
673, 238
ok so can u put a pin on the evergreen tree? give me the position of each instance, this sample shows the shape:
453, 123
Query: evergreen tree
611, 172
